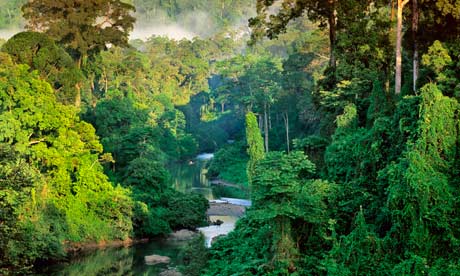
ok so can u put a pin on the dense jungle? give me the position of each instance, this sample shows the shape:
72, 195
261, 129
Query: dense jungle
308, 137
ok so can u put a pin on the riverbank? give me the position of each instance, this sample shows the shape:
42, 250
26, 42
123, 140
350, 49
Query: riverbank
81, 247
221, 182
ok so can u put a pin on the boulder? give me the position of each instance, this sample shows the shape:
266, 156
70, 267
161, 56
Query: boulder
156, 259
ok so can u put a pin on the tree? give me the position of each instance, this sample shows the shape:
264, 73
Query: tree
255, 143
398, 68
17, 180
415, 22
83, 28
51, 61
324, 12
67, 154
287, 198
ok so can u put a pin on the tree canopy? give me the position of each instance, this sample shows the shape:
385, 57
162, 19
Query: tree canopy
84, 28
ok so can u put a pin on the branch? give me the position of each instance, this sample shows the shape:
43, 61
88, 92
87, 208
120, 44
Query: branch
36, 141
321, 56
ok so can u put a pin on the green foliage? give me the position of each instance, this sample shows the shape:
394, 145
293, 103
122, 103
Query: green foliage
255, 144
186, 210
17, 183
10, 13
229, 164
66, 196
358, 253
52, 62
80, 29
437, 57
194, 257
235, 254
421, 196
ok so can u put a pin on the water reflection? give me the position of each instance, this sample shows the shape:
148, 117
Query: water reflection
191, 177
187, 177
117, 261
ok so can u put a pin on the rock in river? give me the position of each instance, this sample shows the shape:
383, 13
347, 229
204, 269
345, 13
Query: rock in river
156, 259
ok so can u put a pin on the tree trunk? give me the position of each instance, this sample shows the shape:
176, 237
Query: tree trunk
269, 119
415, 16
266, 127
261, 122
389, 70
78, 95
332, 34
78, 85
286, 125
401, 4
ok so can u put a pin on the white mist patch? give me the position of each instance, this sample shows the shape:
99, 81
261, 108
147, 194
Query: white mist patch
199, 22
8, 33
205, 156
172, 31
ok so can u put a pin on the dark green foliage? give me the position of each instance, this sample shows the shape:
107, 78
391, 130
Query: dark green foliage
421, 195
255, 144
186, 210
314, 147
236, 254
387, 201
76, 25
17, 182
52, 62
53, 183
230, 163
285, 200
359, 253
194, 257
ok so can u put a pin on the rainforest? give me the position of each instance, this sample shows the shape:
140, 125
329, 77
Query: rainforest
229, 137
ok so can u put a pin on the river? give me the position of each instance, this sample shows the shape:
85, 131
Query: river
186, 177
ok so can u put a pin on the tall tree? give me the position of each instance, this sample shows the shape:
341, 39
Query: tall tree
398, 69
324, 12
84, 28
415, 19
255, 143
53, 63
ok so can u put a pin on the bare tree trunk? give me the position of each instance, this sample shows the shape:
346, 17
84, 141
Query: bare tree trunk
286, 125
391, 32
269, 119
78, 96
261, 122
401, 4
266, 127
415, 16
78, 85
332, 20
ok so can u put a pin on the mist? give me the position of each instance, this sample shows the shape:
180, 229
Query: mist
172, 31
8, 33
187, 25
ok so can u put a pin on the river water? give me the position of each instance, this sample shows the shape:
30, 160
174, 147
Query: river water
188, 178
